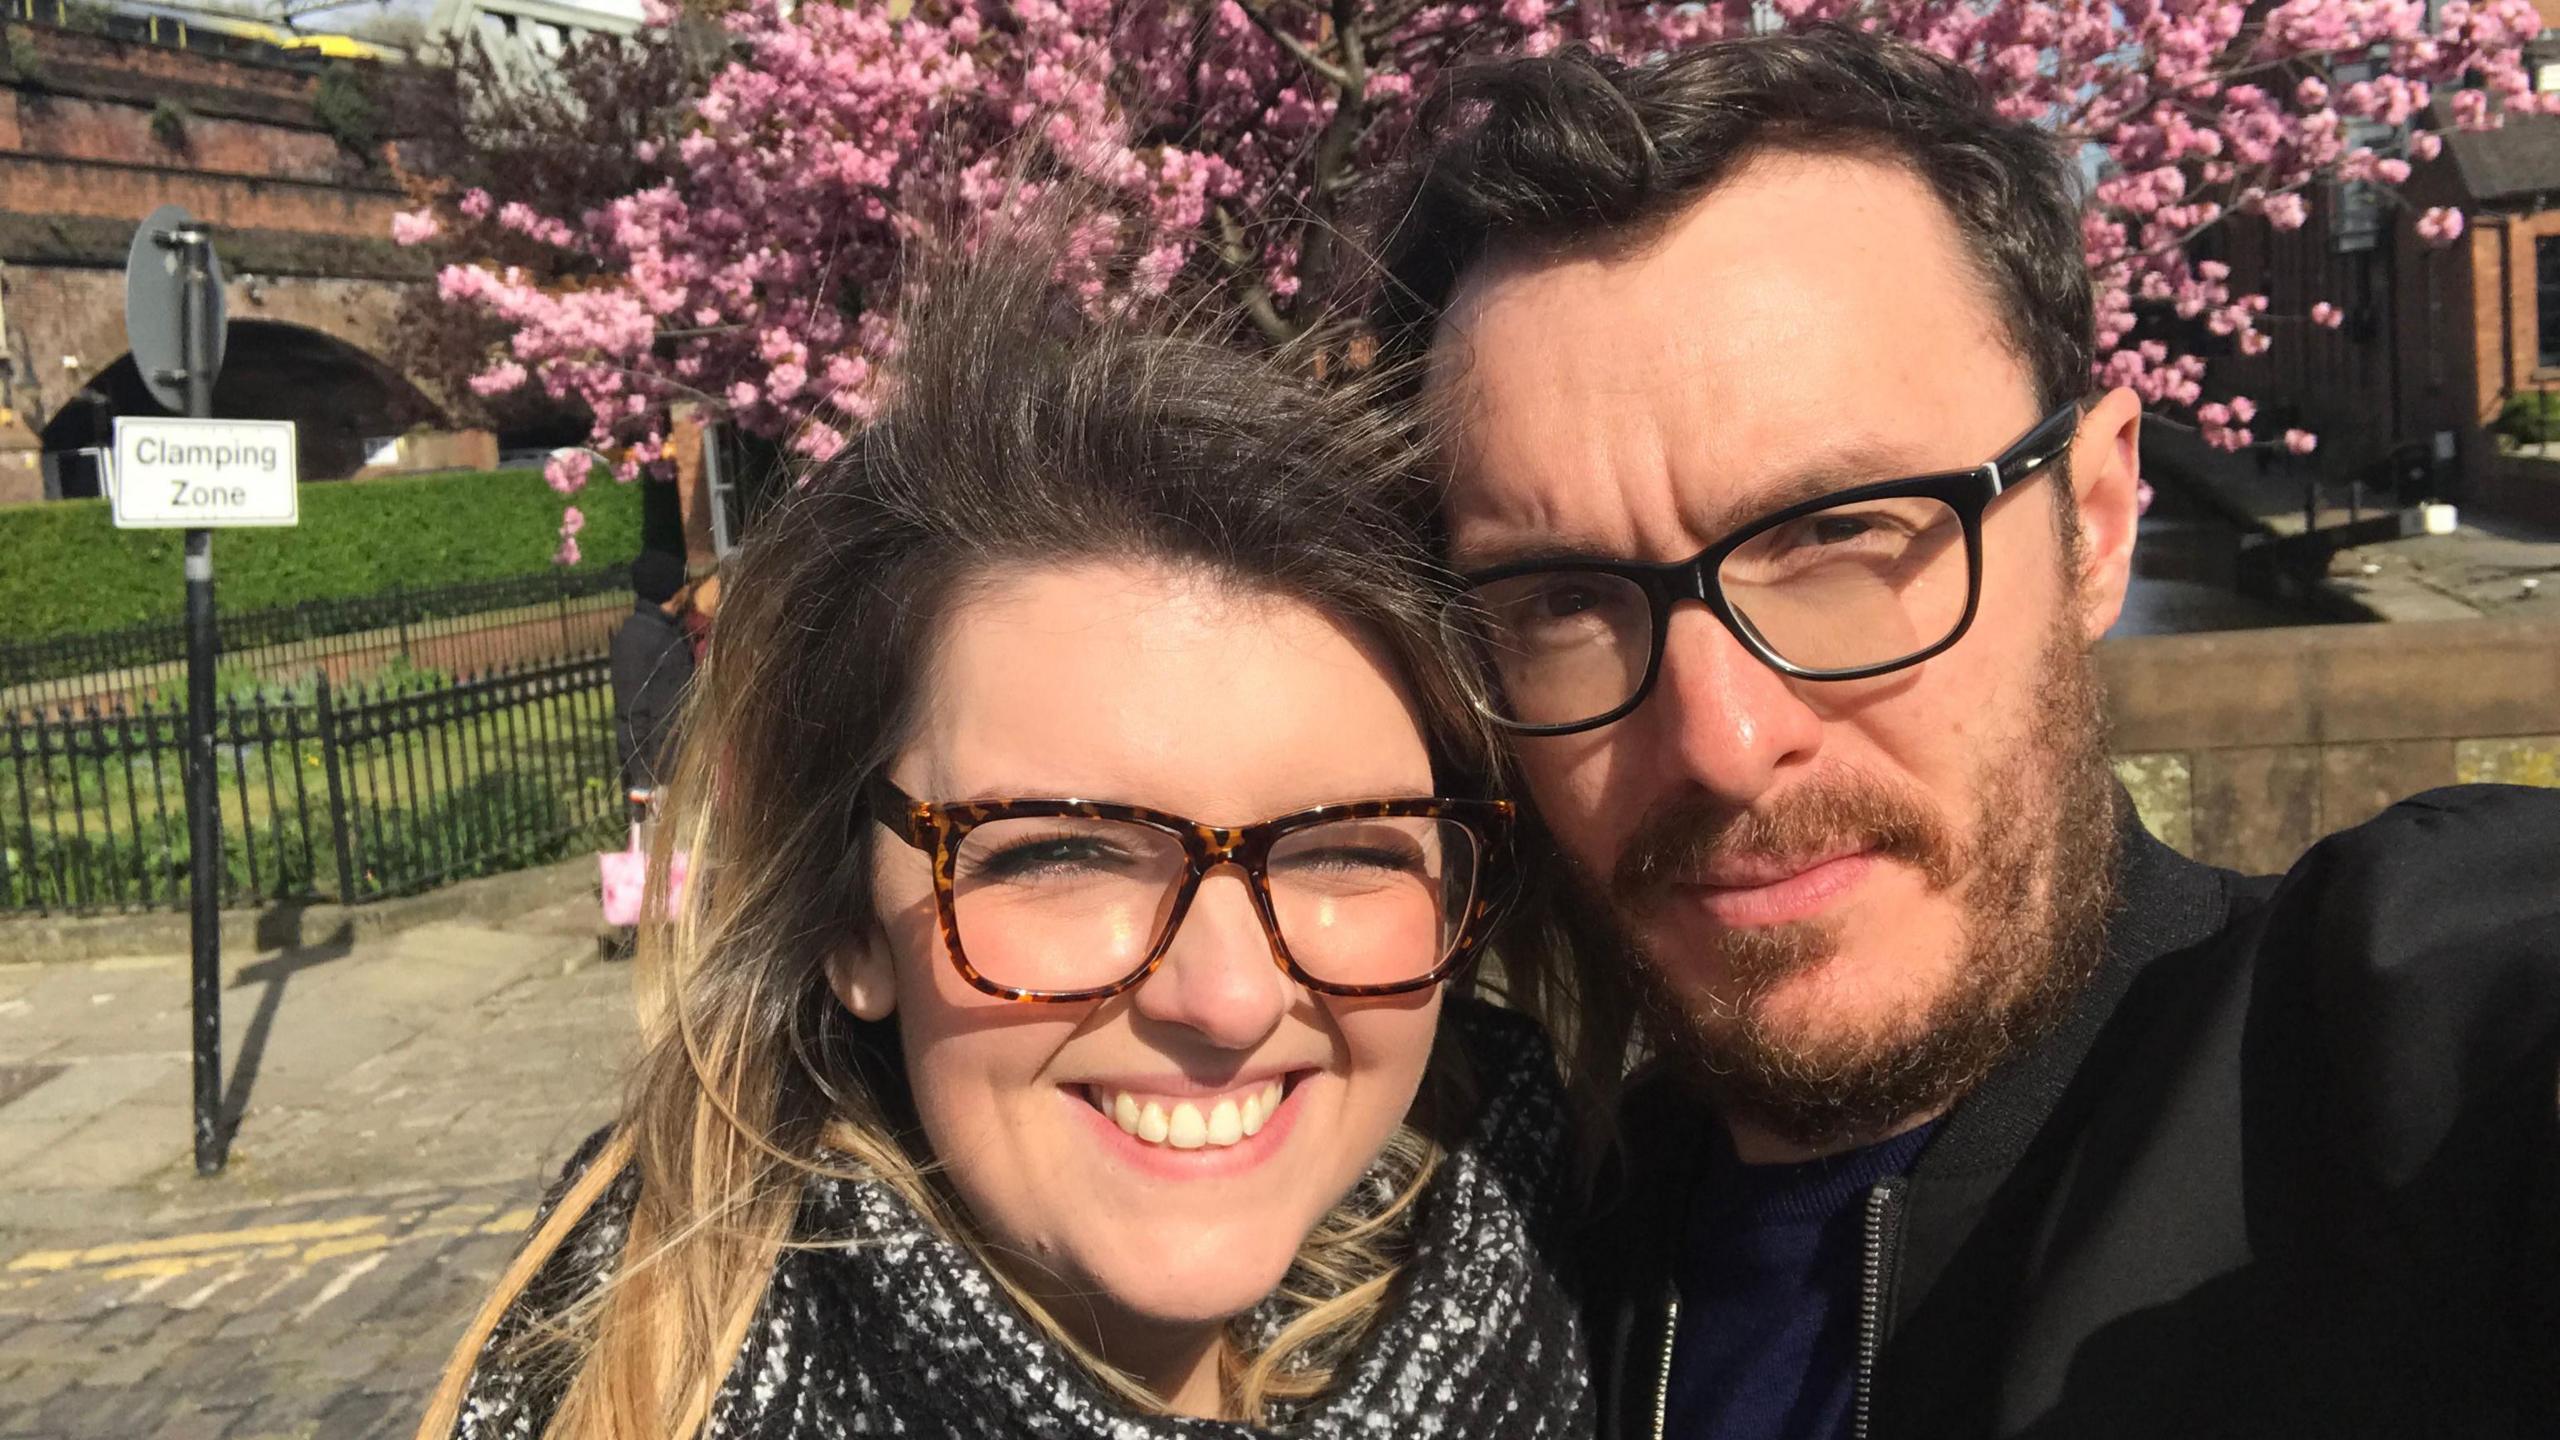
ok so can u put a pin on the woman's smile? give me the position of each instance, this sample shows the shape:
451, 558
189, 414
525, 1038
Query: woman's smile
1184, 1131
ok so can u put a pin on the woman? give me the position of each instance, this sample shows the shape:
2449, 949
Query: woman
994, 1085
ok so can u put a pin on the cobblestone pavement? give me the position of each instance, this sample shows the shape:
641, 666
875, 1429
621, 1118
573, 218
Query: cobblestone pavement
400, 1103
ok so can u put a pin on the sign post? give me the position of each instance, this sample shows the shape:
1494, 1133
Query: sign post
195, 474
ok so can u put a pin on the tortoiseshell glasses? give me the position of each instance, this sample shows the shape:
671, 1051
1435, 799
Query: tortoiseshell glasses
1062, 900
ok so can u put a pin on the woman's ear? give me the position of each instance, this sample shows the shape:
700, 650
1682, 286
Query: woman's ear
865, 977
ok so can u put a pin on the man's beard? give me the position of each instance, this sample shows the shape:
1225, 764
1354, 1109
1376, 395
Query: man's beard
2033, 882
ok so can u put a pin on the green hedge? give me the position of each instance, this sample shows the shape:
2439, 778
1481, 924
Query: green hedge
65, 568
2531, 417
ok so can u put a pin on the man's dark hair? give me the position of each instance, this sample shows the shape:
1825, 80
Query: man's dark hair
1574, 147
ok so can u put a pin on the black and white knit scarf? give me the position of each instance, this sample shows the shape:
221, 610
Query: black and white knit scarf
892, 1329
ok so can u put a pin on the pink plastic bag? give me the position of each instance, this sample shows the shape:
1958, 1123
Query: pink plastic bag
625, 875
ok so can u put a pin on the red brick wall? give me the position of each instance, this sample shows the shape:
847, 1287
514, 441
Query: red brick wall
41, 186
2408, 363
69, 127
2508, 356
68, 53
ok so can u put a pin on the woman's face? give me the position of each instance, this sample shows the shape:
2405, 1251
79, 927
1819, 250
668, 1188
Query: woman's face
1133, 684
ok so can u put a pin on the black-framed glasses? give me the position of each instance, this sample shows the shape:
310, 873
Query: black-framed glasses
1063, 900
1845, 586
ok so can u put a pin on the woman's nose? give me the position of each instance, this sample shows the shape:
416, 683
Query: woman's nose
1220, 978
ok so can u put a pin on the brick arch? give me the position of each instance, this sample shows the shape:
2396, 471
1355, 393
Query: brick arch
71, 328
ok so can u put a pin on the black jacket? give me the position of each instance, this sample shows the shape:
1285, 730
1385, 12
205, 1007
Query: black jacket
2291, 1168
651, 664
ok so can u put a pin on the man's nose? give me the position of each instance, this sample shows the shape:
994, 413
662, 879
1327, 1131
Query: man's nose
1220, 977
1725, 721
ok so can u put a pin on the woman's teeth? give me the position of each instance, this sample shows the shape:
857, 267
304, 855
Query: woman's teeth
1183, 1125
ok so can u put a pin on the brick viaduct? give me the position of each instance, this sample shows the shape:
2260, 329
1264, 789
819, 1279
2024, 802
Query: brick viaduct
97, 132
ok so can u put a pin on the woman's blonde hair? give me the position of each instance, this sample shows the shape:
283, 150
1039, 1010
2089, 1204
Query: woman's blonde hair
1021, 432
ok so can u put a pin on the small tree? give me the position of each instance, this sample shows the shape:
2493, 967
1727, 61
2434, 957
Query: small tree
169, 124
470, 123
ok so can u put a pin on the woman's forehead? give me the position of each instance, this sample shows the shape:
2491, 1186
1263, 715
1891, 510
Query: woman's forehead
1151, 686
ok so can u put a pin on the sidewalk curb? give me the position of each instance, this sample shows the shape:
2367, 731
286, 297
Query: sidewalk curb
55, 939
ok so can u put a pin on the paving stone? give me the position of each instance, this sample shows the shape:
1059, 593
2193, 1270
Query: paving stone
82, 1412
124, 1323
195, 1424
402, 1092
46, 1340
124, 1366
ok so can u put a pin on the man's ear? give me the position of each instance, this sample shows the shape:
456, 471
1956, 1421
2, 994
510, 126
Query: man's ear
2106, 483
865, 977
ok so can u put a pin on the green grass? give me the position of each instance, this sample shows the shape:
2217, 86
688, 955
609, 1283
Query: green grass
66, 569
434, 803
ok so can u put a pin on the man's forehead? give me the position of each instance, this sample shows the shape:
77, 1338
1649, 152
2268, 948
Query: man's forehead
1649, 396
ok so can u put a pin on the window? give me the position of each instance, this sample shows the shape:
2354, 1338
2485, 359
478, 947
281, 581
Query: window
2546, 296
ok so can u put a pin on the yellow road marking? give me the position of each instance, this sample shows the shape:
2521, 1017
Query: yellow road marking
307, 1242
352, 1245
303, 1230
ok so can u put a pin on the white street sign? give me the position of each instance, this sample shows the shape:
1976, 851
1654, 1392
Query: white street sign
181, 474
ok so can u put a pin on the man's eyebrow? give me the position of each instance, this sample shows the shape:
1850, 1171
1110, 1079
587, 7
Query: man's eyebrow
1828, 477
1523, 548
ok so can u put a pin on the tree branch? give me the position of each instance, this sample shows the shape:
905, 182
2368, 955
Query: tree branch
1258, 303
1331, 72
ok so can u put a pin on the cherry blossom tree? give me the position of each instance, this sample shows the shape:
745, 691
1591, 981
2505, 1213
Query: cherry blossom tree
754, 277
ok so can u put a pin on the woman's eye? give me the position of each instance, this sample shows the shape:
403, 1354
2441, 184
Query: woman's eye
1059, 855
1350, 858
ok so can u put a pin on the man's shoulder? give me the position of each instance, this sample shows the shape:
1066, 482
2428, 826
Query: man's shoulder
2478, 859
2419, 954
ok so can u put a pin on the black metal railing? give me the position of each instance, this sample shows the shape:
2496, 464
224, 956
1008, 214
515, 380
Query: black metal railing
448, 630
326, 793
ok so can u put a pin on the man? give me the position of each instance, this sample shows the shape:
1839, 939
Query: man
1789, 522
652, 663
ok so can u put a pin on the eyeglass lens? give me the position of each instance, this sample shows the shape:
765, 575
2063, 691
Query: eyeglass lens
1068, 903
1844, 588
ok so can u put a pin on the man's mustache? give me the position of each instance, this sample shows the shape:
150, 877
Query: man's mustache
1681, 843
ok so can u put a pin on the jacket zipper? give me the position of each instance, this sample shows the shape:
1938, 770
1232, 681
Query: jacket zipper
1883, 1230
1662, 1381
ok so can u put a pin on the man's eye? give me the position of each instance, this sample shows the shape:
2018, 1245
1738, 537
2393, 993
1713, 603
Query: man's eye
1559, 602
1836, 529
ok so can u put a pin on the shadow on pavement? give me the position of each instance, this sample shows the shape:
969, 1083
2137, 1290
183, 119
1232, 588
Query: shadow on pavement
271, 973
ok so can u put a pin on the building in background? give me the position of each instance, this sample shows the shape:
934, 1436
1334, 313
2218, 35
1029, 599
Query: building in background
533, 31
2407, 394
107, 114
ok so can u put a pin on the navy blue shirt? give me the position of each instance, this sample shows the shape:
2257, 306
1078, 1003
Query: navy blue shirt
1767, 1344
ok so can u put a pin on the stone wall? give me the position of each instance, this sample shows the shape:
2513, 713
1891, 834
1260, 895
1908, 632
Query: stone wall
2243, 748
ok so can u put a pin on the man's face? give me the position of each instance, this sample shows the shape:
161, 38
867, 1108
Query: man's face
1849, 895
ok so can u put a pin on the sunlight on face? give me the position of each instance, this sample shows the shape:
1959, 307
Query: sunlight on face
1643, 403
1186, 694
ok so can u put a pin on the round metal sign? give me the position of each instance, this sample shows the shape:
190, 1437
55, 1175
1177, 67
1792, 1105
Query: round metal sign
155, 298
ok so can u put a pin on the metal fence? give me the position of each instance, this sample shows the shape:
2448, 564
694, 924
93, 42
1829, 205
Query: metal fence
449, 630
341, 793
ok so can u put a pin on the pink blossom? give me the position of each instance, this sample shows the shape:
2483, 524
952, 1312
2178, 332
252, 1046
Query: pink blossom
572, 520
2301, 442
816, 152
499, 379
567, 472
415, 227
